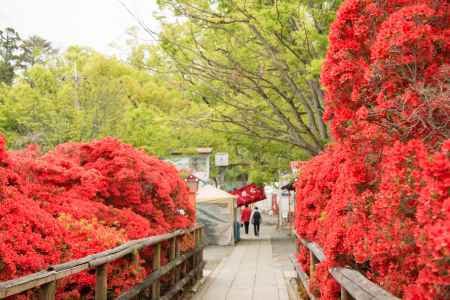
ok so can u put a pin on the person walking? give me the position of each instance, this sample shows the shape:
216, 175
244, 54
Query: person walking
256, 220
245, 217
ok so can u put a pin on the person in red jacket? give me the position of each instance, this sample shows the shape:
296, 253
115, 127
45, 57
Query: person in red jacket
245, 217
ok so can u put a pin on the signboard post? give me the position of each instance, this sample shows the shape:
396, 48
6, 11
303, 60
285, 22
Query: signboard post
221, 159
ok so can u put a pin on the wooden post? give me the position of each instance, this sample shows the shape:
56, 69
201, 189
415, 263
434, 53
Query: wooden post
156, 287
199, 259
191, 260
301, 288
345, 295
312, 264
195, 247
177, 269
101, 282
134, 256
195, 256
47, 291
201, 251
202, 238
173, 255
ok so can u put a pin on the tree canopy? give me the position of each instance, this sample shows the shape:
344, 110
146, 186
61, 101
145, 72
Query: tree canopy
256, 65
241, 78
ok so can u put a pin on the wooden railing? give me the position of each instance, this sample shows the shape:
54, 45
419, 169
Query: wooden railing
43, 283
353, 284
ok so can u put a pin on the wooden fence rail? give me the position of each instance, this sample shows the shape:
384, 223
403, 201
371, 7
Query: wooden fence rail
353, 284
44, 282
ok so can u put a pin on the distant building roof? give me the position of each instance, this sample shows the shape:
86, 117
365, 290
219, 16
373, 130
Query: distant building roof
192, 151
204, 150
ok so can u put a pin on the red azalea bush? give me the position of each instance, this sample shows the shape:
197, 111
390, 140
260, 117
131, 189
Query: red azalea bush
89, 236
82, 199
378, 199
135, 180
387, 71
387, 219
30, 238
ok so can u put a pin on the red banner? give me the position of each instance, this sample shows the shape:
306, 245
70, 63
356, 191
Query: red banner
249, 194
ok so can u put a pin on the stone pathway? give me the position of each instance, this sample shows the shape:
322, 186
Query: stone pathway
249, 272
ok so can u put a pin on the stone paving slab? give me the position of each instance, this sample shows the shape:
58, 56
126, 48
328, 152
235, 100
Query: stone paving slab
249, 272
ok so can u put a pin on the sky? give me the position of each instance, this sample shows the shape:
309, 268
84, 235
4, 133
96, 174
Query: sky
94, 23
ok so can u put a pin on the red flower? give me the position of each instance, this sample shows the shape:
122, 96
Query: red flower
82, 199
378, 200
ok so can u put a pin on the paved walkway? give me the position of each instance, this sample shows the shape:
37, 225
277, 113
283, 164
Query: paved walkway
249, 272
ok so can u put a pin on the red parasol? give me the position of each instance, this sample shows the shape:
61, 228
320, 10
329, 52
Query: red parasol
249, 194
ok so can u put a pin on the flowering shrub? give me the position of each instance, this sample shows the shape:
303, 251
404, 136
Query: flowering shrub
134, 180
86, 237
81, 199
378, 199
387, 71
391, 224
30, 238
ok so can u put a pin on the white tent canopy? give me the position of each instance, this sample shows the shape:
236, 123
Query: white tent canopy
209, 193
216, 209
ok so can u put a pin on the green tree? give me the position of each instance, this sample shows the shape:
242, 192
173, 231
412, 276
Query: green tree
10, 54
256, 65
35, 110
83, 95
37, 50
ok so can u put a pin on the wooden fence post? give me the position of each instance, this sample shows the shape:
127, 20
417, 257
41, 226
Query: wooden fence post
312, 264
177, 270
345, 295
199, 259
301, 288
195, 256
173, 256
47, 291
101, 282
201, 240
191, 261
156, 287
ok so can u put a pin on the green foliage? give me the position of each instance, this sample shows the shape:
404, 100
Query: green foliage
255, 64
17, 54
37, 50
228, 76
9, 54
85, 95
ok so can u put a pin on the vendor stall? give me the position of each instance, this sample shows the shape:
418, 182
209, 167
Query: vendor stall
216, 209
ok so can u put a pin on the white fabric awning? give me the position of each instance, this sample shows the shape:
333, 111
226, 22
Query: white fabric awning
209, 193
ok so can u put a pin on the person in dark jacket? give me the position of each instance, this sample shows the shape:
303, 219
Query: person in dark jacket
245, 217
256, 220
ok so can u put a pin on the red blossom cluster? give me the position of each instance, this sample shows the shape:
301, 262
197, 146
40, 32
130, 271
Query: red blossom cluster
378, 199
387, 71
81, 199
